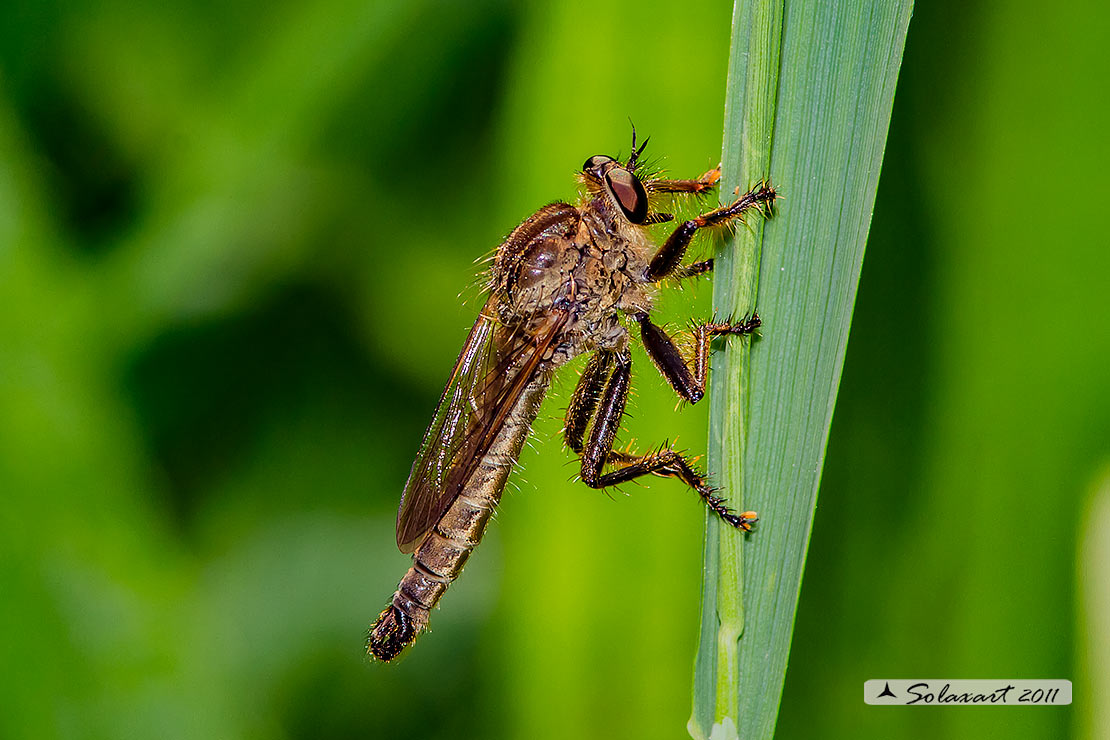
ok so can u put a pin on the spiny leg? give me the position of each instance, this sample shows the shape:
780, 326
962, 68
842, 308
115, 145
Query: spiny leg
667, 259
598, 451
673, 366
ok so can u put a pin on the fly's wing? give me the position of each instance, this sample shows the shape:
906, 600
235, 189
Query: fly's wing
493, 369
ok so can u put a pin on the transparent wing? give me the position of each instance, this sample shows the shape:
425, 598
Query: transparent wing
494, 367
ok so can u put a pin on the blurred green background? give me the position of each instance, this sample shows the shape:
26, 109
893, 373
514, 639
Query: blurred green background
233, 238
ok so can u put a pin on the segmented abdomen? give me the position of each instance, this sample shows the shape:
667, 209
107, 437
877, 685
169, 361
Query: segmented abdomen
442, 553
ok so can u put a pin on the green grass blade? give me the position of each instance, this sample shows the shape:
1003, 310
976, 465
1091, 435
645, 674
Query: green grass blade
809, 99
750, 109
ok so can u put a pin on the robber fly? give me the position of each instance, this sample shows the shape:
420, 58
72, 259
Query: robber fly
569, 280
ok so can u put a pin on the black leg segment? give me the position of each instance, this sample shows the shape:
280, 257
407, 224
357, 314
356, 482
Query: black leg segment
688, 384
586, 396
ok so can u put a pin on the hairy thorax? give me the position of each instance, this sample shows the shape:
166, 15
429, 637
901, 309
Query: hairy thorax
592, 267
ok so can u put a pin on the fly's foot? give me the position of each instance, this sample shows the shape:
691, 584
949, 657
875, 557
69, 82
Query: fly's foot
711, 178
746, 325
744, 521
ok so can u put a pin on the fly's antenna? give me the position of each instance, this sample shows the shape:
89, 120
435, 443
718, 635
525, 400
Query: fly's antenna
635, 152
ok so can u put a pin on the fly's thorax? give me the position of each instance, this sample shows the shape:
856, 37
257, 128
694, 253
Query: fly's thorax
589, 256
610, 277
592, 265
543, 275
596, 271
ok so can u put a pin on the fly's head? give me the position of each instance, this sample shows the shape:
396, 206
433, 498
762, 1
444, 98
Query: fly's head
618, 185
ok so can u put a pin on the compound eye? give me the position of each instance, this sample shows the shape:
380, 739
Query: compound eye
629, 193
596, 162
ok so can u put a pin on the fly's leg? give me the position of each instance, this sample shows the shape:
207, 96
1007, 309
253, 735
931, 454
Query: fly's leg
690, 384
598, 449
692, 270
666, 260
584, 401
702, 184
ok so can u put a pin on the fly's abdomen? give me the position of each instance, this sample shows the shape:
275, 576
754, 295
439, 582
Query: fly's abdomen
438, 561
444, 550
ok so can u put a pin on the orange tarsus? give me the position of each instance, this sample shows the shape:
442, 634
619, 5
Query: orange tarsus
712, 177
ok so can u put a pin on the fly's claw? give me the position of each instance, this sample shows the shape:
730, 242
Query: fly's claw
745, 325
710, 178
743, 521
765, 196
